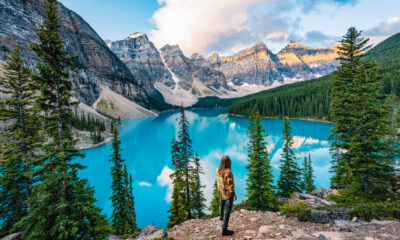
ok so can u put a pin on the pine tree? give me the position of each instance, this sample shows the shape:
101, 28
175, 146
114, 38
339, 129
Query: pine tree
363, 165
260, 179
307, 183
131, 226
20, 141
289, 179
123, 218
177, 209
63, 206
214, 205
351, 51
198, 204
184, 165
372, 167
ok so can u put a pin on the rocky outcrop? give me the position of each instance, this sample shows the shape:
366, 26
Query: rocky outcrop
151, 232
314, 201
271, 225
95, 65
14, 236
326, 216
324, 192
143, 60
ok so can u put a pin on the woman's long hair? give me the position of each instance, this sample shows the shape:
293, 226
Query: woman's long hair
225, 165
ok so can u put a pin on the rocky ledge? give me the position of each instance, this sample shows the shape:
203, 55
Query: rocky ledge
271, 225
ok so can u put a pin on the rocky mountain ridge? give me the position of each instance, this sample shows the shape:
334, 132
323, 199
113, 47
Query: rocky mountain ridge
182, 79
96, 66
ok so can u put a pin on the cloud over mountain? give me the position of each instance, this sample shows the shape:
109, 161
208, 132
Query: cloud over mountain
195, 25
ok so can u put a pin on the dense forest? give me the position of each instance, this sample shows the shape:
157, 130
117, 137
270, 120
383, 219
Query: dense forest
310, 99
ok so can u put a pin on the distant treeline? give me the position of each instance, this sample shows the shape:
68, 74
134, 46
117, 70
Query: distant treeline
305, 99
87, 123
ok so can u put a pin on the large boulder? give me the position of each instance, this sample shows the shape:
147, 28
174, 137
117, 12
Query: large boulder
151, 232
314, 201
326, 216
113, 237
323, 192
14, 236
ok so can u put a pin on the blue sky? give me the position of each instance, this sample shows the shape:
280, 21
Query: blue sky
227, 26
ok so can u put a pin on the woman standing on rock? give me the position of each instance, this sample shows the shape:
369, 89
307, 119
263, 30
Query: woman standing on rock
226, 192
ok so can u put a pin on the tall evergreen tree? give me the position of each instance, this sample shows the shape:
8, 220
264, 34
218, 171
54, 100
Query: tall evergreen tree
363, 164
198, 200
351, 50
123, 216
20, 141
260, 179
290, 176
184, 165
214, 205
177, 209
62, 204
131, 226
307, 183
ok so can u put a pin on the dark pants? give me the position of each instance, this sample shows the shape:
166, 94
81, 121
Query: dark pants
227, 205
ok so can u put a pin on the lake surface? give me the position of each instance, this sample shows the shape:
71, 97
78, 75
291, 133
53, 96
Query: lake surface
146, 145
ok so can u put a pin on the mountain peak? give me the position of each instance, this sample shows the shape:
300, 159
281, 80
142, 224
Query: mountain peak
294, 46
214, 54
196, 55
135, 35
260, 45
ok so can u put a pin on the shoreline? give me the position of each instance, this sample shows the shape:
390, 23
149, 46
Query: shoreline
107, 140
296, 118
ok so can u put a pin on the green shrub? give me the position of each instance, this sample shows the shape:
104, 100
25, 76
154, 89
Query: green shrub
376, 210
164, 238
294, 206
304, 215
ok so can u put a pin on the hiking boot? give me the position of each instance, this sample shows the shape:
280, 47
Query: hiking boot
226, 232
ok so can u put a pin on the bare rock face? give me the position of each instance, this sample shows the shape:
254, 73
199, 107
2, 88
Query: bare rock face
151, 232
96, 64
143, 60
150, 65
179, 64
307, 62
254, 65
14, 236
258, 65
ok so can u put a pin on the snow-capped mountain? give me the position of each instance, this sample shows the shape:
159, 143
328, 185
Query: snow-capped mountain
180, 79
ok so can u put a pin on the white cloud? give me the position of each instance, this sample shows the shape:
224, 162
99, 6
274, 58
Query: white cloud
164, 180
297, 141
194, 25
311, 140
383, 30
270, 147
277, 36
144, 184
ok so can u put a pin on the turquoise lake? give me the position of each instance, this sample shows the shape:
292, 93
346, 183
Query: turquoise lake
146, 147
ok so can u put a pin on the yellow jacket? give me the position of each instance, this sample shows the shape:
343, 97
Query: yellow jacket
225, 185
